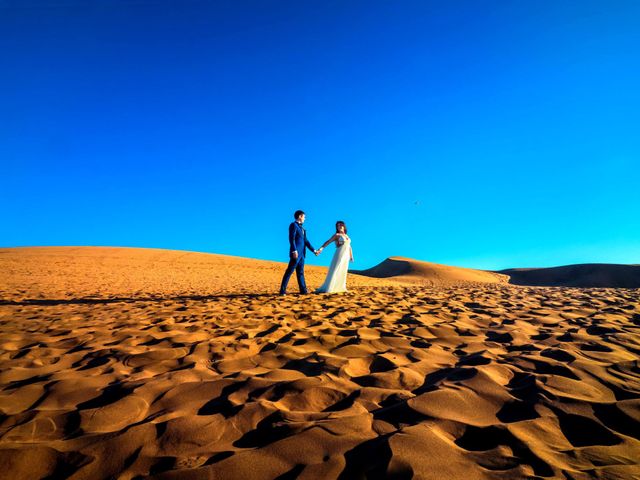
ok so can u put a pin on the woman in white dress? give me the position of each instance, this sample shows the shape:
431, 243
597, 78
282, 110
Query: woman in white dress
336, 280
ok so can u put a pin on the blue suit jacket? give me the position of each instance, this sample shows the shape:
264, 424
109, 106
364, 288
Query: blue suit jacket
298, 240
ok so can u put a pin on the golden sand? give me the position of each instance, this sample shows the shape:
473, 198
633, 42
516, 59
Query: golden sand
136, 363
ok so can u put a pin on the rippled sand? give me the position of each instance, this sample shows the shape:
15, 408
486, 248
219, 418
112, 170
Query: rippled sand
129, 377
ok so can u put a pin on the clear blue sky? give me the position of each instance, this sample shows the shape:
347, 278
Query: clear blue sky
482, 134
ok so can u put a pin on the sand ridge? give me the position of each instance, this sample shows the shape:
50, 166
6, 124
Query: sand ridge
484, 381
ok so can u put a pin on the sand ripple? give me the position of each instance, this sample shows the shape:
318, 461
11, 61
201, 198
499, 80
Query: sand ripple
492, 381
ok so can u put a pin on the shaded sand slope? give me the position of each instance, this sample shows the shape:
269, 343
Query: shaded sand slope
489, 381
116, 272
409, 271
582, 275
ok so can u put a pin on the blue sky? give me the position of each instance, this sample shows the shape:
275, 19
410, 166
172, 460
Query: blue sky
480, 134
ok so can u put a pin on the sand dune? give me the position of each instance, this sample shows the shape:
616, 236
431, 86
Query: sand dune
126, 363
596, 275
583, 275
116, 272
409, 271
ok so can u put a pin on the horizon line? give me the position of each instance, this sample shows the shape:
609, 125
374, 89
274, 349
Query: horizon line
284, 262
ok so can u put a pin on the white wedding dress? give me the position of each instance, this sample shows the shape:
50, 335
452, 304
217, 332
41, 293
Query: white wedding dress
336, 280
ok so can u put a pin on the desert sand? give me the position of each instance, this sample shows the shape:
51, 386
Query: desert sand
143, 363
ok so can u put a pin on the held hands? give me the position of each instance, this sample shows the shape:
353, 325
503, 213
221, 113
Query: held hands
318, 252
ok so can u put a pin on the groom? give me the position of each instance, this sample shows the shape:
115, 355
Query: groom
298, 244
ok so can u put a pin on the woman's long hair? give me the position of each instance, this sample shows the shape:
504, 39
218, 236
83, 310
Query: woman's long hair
340, 223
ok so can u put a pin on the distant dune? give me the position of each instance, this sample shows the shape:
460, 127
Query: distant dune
406, 270
601, 275
589, 275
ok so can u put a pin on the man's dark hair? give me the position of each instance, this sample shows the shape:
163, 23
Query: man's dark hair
298, 213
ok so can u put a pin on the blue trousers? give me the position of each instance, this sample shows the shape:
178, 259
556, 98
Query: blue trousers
296, 264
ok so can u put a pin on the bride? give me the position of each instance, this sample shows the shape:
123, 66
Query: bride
336, 280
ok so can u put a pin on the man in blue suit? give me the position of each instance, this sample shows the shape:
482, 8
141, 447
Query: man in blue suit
298, 244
